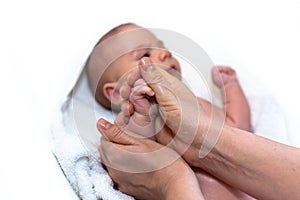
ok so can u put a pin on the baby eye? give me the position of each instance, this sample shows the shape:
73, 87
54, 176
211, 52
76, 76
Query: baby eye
147, 54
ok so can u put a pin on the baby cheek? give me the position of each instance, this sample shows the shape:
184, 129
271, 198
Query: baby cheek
178, 69
175, 73
125, 91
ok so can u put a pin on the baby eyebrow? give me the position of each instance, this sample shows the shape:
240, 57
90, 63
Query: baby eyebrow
143, 47
138, 49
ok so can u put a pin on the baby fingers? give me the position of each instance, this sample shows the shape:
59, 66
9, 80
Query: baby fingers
139, 92
123, 117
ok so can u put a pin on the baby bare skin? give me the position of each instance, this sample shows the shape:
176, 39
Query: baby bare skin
224, 77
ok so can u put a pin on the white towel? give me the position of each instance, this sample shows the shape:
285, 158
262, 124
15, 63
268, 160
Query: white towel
75, 137
81, 167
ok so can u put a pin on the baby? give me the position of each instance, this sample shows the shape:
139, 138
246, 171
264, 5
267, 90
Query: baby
110, 69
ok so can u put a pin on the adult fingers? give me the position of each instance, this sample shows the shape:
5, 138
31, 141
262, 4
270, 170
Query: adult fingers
114, 134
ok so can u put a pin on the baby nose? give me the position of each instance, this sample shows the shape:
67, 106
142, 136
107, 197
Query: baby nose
164, 54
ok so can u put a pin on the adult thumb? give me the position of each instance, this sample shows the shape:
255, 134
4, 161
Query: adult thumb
114, 134
155, 76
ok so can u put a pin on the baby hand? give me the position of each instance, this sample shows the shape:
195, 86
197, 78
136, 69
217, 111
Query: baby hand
139, 114
222, 75
140, 98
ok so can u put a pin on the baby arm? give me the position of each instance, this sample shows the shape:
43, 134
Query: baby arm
236, 104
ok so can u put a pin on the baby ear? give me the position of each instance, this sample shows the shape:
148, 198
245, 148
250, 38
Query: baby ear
112, 94
108, 90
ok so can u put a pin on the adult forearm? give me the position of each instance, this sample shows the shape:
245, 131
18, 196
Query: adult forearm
184, 188
256, 165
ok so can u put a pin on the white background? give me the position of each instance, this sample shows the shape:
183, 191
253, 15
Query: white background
41, 41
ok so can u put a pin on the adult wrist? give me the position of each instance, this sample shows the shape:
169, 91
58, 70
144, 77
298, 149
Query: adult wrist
185, 187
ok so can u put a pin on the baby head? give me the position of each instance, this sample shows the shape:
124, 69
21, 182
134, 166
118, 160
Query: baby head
120, 51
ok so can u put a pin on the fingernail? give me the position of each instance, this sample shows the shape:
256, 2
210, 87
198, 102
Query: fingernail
103, 125
143, 61
152, 93
146, 65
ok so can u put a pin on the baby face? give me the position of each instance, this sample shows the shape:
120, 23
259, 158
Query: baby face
157, 53
120, 53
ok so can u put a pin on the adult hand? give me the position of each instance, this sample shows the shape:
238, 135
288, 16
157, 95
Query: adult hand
193, 135
141, 175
